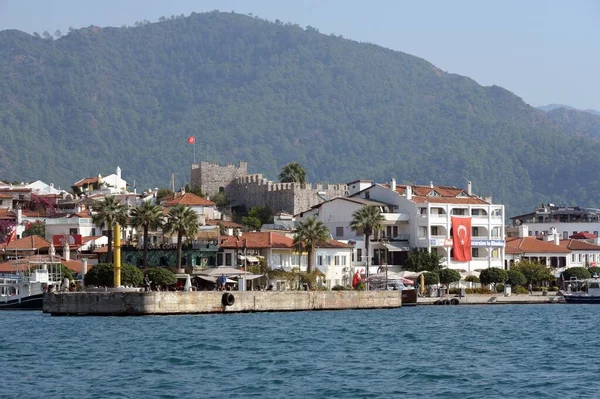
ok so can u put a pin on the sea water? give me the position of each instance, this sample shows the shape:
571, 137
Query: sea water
497, 351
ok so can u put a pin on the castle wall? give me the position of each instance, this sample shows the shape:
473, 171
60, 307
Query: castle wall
210, 177
255, 190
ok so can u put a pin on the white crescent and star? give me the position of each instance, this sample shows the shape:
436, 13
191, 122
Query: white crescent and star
462, 237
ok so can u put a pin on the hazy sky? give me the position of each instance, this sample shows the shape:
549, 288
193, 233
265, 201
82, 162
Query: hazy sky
544, 51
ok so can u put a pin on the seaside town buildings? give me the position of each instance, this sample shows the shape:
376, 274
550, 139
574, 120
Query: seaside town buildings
416, 217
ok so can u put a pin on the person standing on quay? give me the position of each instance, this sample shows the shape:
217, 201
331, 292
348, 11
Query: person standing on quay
530, 288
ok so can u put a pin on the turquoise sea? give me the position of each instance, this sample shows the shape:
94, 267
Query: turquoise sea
500, 351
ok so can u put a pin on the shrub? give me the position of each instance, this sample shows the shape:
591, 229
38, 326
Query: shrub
520, 290
361, 286
339, 288
472, 279
500, 287
553, 288
481, 290
515, 278
448, 276
102, 275
577, 272
431, 278
161, 276
493, 275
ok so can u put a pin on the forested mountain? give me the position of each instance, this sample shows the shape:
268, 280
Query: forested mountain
551, 107
576, 122
271, 93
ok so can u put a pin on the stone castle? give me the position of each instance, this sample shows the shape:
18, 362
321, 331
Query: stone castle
254, 190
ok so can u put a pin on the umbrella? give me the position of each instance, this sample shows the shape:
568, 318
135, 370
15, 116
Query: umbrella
391, 276
222, 270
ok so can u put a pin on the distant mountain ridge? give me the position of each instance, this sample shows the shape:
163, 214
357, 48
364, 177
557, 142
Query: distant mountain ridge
551, 107
270, 93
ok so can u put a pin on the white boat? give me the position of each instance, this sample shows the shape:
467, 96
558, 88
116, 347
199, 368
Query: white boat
25, 289
583, 291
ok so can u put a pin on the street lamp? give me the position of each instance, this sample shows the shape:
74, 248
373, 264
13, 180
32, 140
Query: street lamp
384, 241
245, 243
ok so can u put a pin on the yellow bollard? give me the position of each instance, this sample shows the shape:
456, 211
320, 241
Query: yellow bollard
117, 254
422, 285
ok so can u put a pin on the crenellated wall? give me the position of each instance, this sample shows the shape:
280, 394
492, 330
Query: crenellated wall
255, 190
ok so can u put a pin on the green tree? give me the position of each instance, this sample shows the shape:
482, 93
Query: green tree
579, 273
367, 219
594, 270
163, 192
108, 213
310, 234
194, 190
420, 260
37, 228
515, 278
221, 200
251, 223
262, 213
292, 173
472, 279
448, 276
102, 275
431, 278
161, 276
183, 221
146, 216
492, 275
533, 271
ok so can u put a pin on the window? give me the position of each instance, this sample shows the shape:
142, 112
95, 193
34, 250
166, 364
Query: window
475, 232
328, 260
72, 231
359, 254
458, 211
596, 233
344, 260
435, 230
572, 258
336, 260
352, 256
565, 235
422, 231
496, 232
475, 252
495, 253
475, 212
367, 195
93, 231
320, 260
579, 258
228, 260
339, 231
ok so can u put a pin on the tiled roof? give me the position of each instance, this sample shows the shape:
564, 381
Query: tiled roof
224, 223
15, 190
447, 195
517, 245
33, 214
258, 240
336, 244
5, 196
88, 180
27, 244
11, 266
578, 245
7, 214
189, 199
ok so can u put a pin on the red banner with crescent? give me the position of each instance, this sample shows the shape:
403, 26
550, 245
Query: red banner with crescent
461, 237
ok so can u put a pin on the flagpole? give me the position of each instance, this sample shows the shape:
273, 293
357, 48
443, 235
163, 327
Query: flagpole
194, 150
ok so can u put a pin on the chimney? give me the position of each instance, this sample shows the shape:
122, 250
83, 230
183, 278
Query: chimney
469, 188
83, 271
118, 172
19, 215
408, 192
431, 184
67, 251
393, 185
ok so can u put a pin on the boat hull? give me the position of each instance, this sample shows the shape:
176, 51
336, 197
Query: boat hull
582, 299
409, 297
33, 302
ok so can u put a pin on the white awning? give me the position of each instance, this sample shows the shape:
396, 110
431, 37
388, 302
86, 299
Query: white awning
394, 247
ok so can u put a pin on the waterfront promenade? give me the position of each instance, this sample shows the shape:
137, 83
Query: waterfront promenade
497, 299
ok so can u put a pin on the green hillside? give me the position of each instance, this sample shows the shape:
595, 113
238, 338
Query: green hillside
270, 93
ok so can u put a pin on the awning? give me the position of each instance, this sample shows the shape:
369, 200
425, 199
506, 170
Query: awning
393, 247
248, 258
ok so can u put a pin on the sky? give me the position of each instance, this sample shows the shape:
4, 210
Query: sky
544, 51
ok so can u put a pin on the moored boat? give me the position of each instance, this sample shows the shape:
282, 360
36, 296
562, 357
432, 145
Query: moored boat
582, 291
25, 290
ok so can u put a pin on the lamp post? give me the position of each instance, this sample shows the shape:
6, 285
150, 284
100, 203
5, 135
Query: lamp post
384, 241
299, 262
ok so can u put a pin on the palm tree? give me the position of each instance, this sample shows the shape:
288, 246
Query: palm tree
108, 213
310, 234
184, 221
368, 219
147, 216
292, 173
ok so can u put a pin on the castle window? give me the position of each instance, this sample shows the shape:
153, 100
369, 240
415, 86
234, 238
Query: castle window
221, 189
339, 231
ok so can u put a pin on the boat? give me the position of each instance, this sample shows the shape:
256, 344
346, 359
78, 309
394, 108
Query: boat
582, 291
25, 289
394, 282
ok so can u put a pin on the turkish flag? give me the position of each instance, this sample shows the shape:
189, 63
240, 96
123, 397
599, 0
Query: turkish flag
12, 235
461, 237
191, 140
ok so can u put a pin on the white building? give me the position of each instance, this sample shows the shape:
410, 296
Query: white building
418, 217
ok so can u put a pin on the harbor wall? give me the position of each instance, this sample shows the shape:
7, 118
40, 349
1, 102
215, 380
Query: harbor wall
198, 302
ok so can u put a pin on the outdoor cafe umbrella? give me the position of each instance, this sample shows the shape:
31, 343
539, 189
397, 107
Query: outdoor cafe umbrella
222, 270
391, 276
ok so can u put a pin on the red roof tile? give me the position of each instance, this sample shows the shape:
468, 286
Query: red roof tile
189, 199
7, 214
5, 196
224, 223
28, 243
258, 240
336, 244
13, 266
447, 195
517, 245
88, 180
578, 245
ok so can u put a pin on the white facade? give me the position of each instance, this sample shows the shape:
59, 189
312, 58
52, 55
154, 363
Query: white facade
336, 264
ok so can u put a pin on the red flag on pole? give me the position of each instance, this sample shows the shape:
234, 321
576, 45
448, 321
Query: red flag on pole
12, 235
191, 140
461, 237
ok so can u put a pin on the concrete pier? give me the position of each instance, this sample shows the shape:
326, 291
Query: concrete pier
499, 299
197, 302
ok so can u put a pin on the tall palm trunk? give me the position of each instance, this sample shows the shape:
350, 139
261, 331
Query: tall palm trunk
309, 267
367, 236
145, 246
179, 249
109, 257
